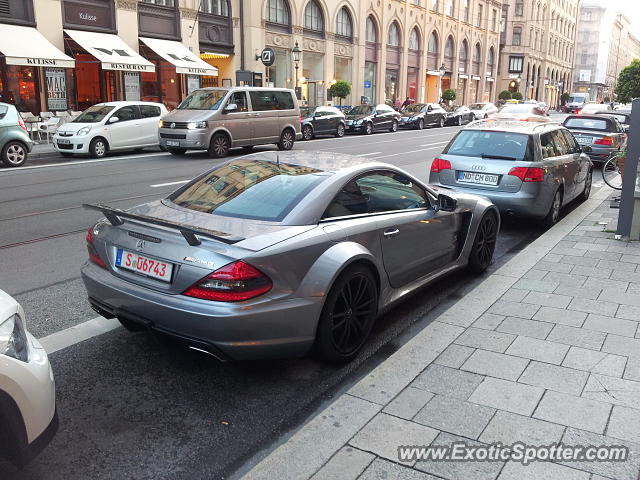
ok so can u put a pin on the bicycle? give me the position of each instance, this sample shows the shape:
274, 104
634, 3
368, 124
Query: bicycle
611, 172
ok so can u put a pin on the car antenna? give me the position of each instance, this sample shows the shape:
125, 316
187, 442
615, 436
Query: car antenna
278, 160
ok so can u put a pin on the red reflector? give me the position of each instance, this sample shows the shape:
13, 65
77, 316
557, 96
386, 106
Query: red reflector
22, 125
300, 119
439, 164
93, 253
604, 141
234, 282
528, 174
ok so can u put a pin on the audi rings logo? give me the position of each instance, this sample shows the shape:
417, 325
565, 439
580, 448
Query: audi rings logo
172, 125
478, 167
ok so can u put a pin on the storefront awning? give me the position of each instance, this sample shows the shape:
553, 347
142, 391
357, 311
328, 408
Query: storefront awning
27, 46
180, 56
111, 50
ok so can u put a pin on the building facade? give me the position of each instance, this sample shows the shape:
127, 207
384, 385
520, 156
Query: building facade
605, 47
538, 39
75, 53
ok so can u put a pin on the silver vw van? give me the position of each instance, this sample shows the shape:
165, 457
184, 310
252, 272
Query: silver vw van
218, 119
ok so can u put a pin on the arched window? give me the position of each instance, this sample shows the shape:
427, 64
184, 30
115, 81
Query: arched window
517, 36
432, 52
463, 57
216, 7
394, 35
278, 12
491, 58
449, 49
414, 40
372, 31
313, 17
477, 54
344, 26
433, 43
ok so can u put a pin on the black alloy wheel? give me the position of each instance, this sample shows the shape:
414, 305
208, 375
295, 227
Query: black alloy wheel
287, 140
368, 128
348, 315
420, 124
219, 146
460, 120
340, 130
584, 196
554, 212
484, 244
441, 123
394, 126
307, 132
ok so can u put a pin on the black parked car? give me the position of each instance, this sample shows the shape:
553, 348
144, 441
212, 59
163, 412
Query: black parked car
371, 118
322, 121
459, 116
623, 116
420, 115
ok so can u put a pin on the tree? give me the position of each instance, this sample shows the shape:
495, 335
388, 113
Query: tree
449, 95
340, 89
516, 96
564, 98
505, 95
628, 86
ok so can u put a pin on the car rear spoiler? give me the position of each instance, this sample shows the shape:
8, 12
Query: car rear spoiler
190, 234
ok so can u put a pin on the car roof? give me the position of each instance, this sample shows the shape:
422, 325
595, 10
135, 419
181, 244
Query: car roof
515, 126
121, 103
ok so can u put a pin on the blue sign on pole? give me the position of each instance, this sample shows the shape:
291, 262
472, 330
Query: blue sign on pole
367, 84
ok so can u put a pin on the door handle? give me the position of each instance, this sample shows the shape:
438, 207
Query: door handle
391, 233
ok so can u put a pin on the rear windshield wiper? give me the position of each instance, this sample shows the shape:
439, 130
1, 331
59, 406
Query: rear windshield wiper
498, 157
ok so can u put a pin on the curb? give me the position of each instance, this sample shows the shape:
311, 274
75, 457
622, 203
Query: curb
304, 452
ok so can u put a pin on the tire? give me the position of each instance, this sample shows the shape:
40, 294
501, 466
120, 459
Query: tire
14, 154
66, 154
611, 174
307, 132
340, 130
420, 124
176, 151
584, 196
460, 121
98, 147
287, 139
394, 126
484, 244
554, 212
368, 128
131, 326
341, 331
441, 123
473, 118
219, 146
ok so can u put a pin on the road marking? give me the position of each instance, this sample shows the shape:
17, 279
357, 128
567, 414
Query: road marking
78, 333
82, 162
365, 154
432, 144
404, 153
180, 182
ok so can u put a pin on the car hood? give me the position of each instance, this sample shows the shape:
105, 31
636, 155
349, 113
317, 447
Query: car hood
188, 115
73, 127
251, 235
356, 117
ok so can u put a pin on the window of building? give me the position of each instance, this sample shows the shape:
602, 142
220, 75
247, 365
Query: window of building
278, 12
465, 12
450, 7
494, 20
415, 2
479, 17
519, 8
491, 58
448, 48
313, 17
216, 7
517, 36
435, 5
414, 40
344, 27
164, 3
432, 52
372, 32
515, 64
394, 35
464, 56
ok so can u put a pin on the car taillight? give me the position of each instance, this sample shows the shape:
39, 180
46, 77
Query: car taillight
300, 119
22, 125
604, 141
439, 164
528, 174
93, 253
234, 282
579, 112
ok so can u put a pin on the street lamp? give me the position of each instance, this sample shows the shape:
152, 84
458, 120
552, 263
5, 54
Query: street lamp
296, 60
443, 70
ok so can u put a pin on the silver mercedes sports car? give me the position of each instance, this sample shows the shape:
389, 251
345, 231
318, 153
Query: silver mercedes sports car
271, 254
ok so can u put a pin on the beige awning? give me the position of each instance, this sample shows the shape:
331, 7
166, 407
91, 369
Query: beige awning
27, 46
179, 55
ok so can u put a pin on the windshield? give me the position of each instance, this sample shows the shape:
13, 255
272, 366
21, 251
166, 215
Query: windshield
490, 144
94, 114
516, 108
203, 100
586, 123
253, 189
361, 110
476, 106
415, 108
577, 98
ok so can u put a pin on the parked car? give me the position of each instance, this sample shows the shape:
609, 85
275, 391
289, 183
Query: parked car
270, 254
368, 119
591, 108
28, 418
529, 169
482, 109
218, 119
544, 107
420, 115
110, 126
15, 143
459, 116
521, 111
623, 116
322, 121
603, 133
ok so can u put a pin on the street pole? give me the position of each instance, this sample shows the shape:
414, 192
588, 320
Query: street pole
627, 200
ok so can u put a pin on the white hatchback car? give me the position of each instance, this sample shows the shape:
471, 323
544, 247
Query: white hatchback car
110, 126
482, 109
28, 417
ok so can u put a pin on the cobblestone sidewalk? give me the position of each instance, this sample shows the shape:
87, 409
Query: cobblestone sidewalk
546, 349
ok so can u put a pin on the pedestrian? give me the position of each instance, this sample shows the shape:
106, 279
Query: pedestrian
406, 103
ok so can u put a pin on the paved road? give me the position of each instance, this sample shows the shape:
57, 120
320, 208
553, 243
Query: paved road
137, 406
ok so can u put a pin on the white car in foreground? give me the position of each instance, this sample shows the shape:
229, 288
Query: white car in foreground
28, 418
110, 126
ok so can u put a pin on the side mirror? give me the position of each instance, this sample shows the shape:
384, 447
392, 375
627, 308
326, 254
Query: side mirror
429, 108
447, 203
232, 107
113, 120
586, 149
